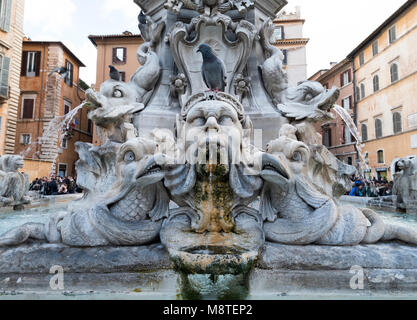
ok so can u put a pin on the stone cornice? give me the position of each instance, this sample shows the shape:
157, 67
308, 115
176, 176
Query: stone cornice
300, 41
270, 7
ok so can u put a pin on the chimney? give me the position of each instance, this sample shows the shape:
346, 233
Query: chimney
298, 11
332, 64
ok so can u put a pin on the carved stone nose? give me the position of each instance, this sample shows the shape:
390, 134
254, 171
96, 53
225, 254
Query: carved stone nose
212, 124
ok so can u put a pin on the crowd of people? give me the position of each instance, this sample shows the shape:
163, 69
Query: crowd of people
54, 186
371, 188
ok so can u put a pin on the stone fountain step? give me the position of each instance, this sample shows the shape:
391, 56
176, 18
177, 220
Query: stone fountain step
281, 268
39, 258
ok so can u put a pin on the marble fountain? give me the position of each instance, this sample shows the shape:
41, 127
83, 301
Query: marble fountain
197, 193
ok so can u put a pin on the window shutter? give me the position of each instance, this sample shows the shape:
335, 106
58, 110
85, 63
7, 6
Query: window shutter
350, 102
283, 32
37, 63
71, 75
28, 105
350, 75
24, 63
115, 55
124, 54
5, 21
4, 77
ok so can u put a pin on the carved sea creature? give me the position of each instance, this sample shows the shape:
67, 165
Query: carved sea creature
405, 184
308, 101
147, 75
274, 77
14, 185
111, 110
131, 213
297, 213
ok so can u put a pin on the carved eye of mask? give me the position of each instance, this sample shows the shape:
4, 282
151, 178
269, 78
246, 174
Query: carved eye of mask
129, 156
200, 121
117, 93
226, 121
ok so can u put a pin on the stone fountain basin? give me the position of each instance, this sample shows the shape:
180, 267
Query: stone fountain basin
217, 260
388, 268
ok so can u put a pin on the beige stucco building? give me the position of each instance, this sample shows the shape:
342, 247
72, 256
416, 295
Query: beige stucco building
386, 97
11, 38
289, 36
118, 50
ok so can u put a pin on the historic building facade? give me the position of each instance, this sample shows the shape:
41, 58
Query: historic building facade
118, 50
385, 73
289, 38
11, 38
45, 97
336, 135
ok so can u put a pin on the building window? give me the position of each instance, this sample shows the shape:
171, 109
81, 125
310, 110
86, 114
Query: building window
62, 170
381, 159
122, 76
347, 135
4, 76
364, 129
64, 143
392, 34
350, 161
375, 49
358, 93
347, 103
363, 91
378, 128
376, 83
28, 107
345, 78
67, 107
119, 55
397, 121
25, 139
5, 14
327, 137
31, 63
279, 33
70, 76
394, 72
285, 53
361, 59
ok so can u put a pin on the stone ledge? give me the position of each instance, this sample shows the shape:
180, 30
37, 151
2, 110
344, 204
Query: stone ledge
39, 258
381, 256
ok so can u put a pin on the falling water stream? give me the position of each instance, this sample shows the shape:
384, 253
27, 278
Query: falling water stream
355, 133
55, 129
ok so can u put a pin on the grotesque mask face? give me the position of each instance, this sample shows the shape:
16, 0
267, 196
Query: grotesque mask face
213, 133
